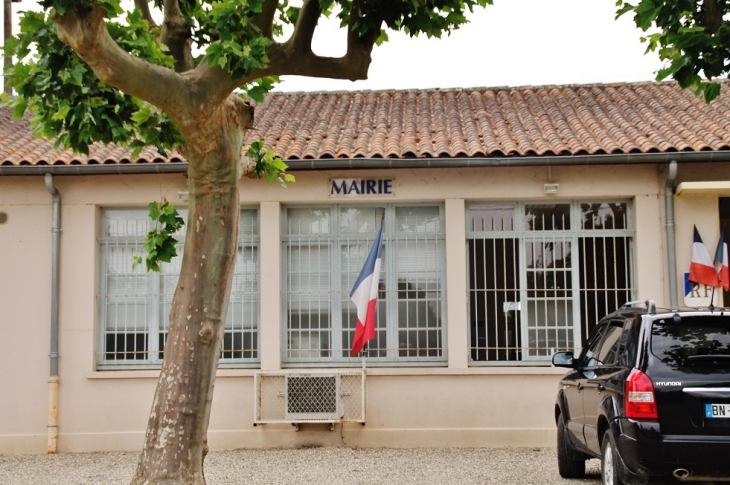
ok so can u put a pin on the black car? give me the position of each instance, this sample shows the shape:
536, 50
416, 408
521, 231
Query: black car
650, 396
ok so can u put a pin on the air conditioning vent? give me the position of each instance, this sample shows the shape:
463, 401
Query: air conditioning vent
312, 396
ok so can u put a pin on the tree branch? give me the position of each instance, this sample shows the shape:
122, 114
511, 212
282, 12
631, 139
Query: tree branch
265, 20
87, 35
301, 40
176, 36
144, 7
712, 14
295, 57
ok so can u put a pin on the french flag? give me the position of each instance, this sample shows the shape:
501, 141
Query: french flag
365, 295
721, 262
702, 269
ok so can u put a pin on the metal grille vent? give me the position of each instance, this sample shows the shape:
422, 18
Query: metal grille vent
312, 396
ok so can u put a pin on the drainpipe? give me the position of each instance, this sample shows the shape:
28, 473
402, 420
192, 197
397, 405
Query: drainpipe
53, 379
671, 251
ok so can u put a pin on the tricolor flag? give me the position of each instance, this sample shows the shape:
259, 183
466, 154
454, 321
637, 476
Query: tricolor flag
365, 295
702, 269
721, 262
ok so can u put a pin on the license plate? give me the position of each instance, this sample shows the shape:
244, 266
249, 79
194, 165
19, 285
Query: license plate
717, 410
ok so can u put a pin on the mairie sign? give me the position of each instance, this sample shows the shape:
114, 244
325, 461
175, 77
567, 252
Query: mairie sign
361, 187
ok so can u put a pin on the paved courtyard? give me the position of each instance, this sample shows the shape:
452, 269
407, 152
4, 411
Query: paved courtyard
518, 466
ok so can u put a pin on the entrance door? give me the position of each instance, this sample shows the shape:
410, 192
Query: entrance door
549, 296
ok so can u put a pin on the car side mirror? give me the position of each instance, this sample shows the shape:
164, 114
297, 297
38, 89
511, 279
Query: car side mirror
563, 359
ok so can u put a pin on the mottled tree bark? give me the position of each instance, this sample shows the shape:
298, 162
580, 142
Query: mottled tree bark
176, 443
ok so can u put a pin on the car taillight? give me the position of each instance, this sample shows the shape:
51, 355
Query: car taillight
639, 400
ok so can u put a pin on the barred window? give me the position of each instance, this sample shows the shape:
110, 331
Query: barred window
135, 305
324, 250
542, 275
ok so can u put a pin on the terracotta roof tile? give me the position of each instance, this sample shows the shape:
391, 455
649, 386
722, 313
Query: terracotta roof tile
593, 119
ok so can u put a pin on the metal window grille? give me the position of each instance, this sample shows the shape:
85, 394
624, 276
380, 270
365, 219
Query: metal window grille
135, 305
542, 275
325, 249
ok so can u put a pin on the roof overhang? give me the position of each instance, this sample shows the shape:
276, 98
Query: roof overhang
716, 188
383, 163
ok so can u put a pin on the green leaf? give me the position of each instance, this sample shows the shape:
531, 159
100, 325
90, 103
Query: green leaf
711, 91
19, 106
382, 38
61, 113
142, 115
168, 208
154, 210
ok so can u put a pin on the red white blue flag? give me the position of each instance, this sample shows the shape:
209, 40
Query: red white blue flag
721, 262
365, 295
702, 269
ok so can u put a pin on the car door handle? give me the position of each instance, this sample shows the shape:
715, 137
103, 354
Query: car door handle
601, 388
580, 387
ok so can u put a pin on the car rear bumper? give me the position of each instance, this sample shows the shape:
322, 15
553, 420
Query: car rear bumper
647, 453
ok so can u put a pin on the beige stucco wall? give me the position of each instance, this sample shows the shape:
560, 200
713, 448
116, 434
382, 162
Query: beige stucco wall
454, 405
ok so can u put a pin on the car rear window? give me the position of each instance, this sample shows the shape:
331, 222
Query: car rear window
692, 341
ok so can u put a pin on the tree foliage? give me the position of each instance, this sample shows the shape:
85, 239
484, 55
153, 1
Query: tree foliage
160, 244
70, 104
692, 37
73, 106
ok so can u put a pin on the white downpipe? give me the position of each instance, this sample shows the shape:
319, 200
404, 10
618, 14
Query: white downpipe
53, 379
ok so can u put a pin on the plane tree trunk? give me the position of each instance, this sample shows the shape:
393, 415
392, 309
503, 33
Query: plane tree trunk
176, 442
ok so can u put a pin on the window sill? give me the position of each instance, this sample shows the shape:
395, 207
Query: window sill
155, 374
371, 371
470, 371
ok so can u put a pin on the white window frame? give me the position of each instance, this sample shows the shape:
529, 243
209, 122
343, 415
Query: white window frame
158, 302
522, 235
339, 298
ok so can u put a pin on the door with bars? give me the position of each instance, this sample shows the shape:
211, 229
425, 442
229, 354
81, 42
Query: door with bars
542, 275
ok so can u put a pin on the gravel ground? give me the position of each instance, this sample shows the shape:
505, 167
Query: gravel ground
518, 466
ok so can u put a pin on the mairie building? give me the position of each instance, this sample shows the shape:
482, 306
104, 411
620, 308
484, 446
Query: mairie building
514, 219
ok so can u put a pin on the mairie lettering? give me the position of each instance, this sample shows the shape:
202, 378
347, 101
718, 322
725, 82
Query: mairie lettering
355, 187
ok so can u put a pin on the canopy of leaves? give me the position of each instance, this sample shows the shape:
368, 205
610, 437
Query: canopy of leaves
72, 105
692, 37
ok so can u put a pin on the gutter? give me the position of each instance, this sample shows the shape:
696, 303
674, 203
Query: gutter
322, 164
53, 379
552, 160
95, 169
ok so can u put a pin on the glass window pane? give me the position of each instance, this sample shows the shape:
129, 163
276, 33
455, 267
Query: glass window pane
547, 217
609, 347
483, 218
604, 216
418, 219
308, 221
363, 220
